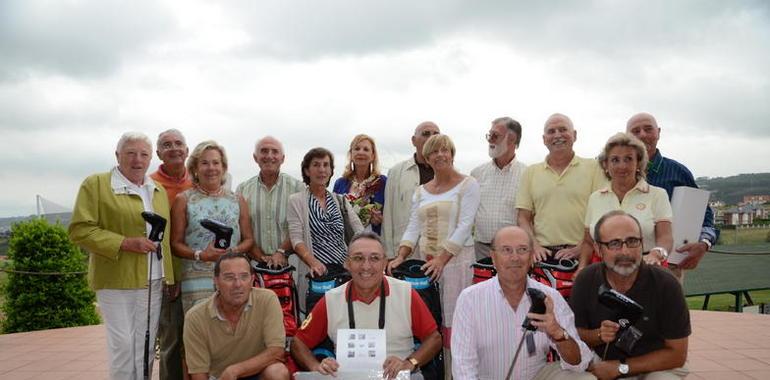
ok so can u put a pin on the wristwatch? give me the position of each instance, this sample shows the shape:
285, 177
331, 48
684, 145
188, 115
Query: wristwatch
414, 362
197, 255
283, 252
707, 242
623, 367
663, 253
564, 336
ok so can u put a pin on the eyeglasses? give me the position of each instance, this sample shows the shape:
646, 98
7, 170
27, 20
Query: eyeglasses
507, 250
360, 259
615, 244
174, 144
492, 136
429, 133
231, 277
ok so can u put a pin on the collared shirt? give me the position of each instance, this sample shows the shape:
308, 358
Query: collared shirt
665, 315
122, 185
648, 204
498, 197
558, 201
211, 344
483, 343
267, 209
668, 174
315, 327
403, 178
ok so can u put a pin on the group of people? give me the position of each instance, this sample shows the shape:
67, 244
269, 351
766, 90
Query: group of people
211, 323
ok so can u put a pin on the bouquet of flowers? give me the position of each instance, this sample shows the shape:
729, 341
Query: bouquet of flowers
362, 199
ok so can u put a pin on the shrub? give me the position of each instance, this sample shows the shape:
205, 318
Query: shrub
38, 302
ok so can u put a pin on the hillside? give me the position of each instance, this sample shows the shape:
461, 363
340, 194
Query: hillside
6, 223
731, 190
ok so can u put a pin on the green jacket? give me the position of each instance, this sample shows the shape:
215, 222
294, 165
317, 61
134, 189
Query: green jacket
101, 220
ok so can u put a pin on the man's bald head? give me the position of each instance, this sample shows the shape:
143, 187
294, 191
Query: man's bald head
641, 117
425, 125
559, 119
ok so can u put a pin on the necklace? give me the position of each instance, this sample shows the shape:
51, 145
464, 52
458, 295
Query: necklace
216, 193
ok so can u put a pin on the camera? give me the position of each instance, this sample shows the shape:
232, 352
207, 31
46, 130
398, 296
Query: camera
628, 313
628, 335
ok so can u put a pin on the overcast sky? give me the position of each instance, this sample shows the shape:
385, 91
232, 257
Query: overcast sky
75, 75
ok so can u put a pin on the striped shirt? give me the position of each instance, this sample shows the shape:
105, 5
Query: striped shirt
486, 331
498, 197
327, 231
267, 209
668, 174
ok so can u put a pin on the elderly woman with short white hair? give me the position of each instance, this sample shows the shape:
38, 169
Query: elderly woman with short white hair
107, 222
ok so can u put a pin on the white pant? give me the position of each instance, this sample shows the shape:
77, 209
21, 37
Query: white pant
125, 316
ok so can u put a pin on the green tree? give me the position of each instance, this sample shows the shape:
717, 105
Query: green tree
38, 302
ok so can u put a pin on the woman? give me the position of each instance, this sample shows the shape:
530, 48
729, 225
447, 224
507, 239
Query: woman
316, 224
208, 199
624, 160
107, 222
362, 184
441, 219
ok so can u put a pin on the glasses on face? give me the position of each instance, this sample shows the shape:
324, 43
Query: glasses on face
428, 133
507, 250
172, 144
360, 259
616, 244
492, 136
232, 277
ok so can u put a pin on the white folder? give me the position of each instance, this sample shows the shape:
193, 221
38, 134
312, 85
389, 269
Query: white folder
689, 206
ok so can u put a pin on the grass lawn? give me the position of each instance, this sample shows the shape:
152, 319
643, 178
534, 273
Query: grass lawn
726, 302
743, 236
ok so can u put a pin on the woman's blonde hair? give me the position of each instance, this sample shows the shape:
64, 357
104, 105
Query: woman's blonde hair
625, 139
374, 168
437, 142
195, 156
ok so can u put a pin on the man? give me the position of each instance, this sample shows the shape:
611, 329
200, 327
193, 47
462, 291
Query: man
403, 179
483, 344
665, 322
107, 222
499, 181
267, 195
238, 332
553, 194
667, 173
173, 176
361, 297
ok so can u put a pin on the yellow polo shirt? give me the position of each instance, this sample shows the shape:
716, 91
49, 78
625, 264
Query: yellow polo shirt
648, 204
558, 201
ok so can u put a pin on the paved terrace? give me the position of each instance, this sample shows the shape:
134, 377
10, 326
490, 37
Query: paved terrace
724, 345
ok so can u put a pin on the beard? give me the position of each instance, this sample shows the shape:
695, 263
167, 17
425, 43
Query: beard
497, 150
624, 270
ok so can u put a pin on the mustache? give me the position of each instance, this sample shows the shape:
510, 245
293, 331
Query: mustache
624, 259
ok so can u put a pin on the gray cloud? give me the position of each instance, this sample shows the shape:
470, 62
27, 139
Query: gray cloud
80, 39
